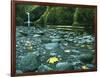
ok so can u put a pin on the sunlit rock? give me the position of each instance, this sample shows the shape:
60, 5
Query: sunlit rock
67, 51
50, 46
19, 72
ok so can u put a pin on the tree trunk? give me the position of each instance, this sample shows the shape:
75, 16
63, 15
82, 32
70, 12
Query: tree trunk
75, 20
43, 18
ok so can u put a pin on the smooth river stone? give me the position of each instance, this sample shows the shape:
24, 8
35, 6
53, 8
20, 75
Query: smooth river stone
44, 68
61, 66
56, 40
19, 72
87, 58
29, 62
51, 46
36, 35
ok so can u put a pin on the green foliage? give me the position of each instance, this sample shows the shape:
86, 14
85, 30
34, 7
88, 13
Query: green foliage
51, 15
20, 14
83, 16
61, 16
21, 10
37, 12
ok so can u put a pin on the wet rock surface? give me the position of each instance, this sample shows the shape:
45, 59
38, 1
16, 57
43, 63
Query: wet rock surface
42, 50
62, 66
29, 62
44, 68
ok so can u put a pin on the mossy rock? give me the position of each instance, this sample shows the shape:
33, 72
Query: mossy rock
87, 58
19, 72
44, 68
62, 66
29, 62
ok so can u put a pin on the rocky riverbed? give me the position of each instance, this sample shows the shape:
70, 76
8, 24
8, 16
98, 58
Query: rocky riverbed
42, 50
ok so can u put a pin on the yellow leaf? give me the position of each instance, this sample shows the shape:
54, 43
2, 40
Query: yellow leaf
30, 48
85, 67
52, 60
82, 46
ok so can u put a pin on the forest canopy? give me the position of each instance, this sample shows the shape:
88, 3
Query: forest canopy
55, 15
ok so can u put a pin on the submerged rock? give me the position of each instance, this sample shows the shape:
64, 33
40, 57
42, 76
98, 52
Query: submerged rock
53, 54
50, 46
87, 58
56, 40
19, 72
90, 66
36, 35
44, 68
23, 33
29, 62
72, 49
45, 40
61, 66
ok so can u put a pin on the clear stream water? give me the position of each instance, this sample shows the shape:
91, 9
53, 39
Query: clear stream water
34, 46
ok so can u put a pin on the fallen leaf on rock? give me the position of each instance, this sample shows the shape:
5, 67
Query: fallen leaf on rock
52, 60
29, 48
85, 67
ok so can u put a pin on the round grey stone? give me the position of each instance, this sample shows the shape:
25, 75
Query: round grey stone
29, 62
86, 57
19, 72
61, 66
44, 68
50, 46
